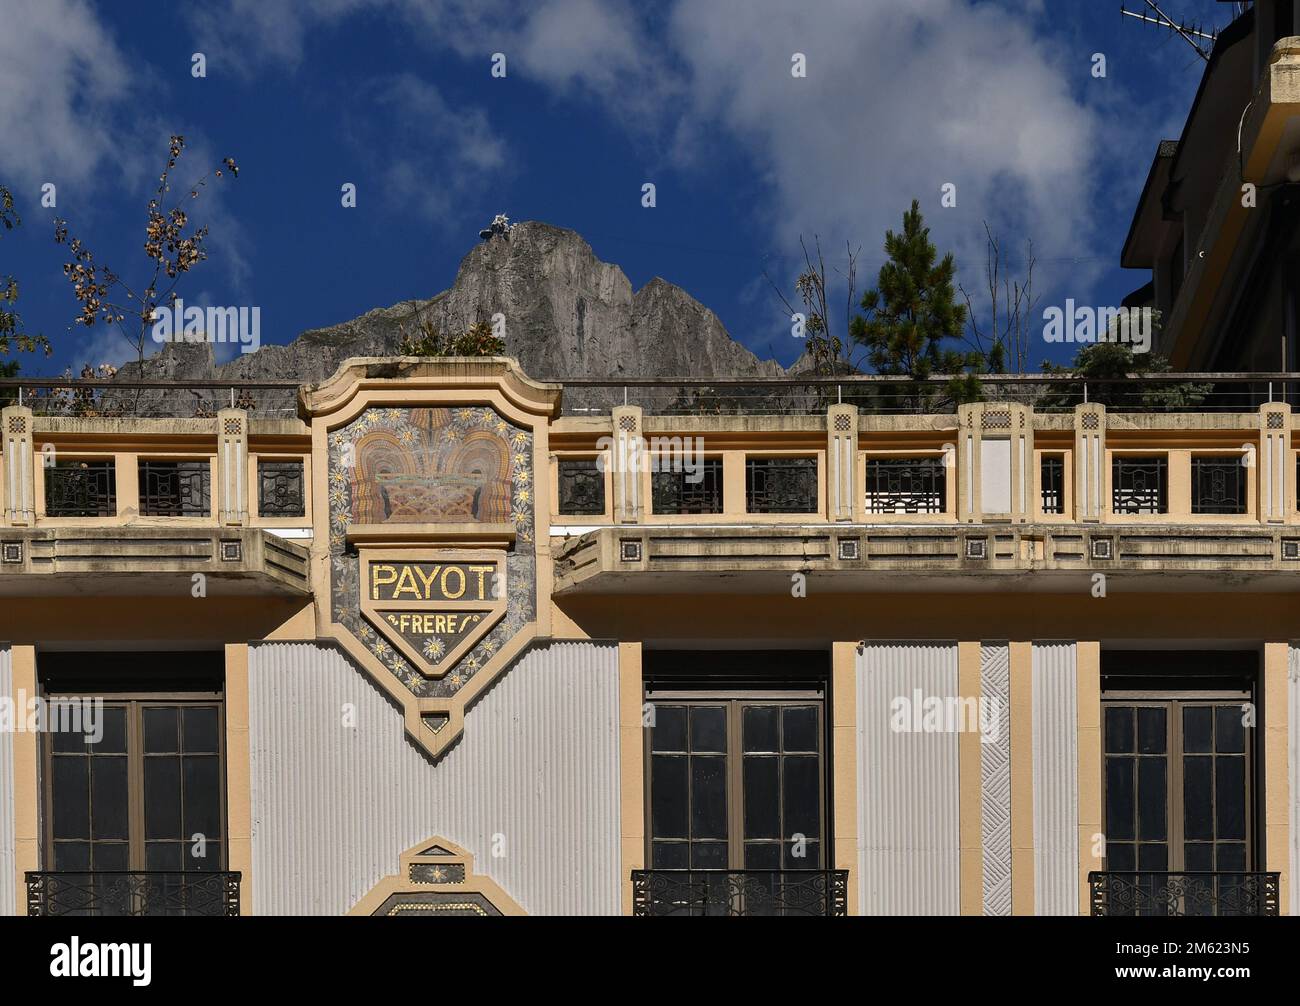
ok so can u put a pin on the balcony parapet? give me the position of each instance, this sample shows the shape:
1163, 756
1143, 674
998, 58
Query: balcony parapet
149, 561
1024, 557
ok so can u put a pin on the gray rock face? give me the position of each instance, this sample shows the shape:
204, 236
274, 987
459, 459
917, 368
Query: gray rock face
567, 315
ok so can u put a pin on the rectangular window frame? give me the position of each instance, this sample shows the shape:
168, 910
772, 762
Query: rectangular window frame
109, 507
136, 701
773, 462
200, 467
735, 701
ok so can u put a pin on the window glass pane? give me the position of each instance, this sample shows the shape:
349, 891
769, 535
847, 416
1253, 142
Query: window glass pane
1198, 856
811, 859
760, 728
708, 855
1119, 729
669, 731
1232, 856
113, 740
71, 785
1152, 799
210, 861
762, 856
708, 797
1198, 816
1153, 856
1196, 728
162, 798
802, 790
670, 856
1230, 796
709, 729
1120, 856
762, 797
668, 797
164, 855
72, 855
202, 811
110, 856
1119, 799
160, 734
1153, 729
1229, 729
108, 797
201, 729
800, 728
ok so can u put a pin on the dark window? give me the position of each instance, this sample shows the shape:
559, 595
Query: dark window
280, 490
688, 492
906, 485
149, 793
175, 488
81, 489
736, 784
1178, 791
1139, 485
1218, 485
781, 485
1052, 476
582, 487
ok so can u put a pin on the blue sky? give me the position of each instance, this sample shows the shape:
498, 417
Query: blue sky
600, 96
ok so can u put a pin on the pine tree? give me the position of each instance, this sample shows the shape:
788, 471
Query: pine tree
913, 311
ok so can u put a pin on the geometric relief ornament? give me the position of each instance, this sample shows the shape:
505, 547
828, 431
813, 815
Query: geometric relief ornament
427, 524
436, 877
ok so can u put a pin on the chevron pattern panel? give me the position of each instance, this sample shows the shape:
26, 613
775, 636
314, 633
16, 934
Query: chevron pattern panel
995, 781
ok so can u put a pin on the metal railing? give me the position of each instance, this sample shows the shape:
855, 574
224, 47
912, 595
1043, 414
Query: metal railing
81, 489
123, 893
740, 892
105, 398
1147, 893
879, 394
872, 393
175, 488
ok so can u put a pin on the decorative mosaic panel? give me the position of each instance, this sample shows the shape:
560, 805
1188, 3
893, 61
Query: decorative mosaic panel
419, 465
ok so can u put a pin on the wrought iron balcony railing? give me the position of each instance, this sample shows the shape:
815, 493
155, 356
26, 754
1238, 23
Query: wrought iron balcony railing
740, 892
146, 892
906, 485
81, 489
781, 485
683, 492
1199, 894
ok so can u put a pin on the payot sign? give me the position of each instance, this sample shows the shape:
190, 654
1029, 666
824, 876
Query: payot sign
434, 608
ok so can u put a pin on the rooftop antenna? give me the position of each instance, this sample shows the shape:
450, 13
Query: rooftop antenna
1189, 33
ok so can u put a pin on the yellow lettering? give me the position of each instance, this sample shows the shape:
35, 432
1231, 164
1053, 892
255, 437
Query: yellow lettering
460, 573
481, 571
406, 584
380, 576
427, 581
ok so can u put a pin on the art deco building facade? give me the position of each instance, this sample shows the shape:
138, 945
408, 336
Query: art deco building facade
437, 637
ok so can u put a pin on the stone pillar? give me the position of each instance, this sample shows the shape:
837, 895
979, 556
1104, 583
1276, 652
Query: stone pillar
232, 467
841, 461
627, 464
995, 460
1274, 489
16, 426
1089, 462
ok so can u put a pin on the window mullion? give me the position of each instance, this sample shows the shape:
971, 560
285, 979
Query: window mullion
135, 784
735, 788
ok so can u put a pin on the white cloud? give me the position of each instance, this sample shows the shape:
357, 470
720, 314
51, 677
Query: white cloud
898, 100
63, 79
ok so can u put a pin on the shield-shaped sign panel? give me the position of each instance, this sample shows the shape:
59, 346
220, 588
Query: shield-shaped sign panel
434, 605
